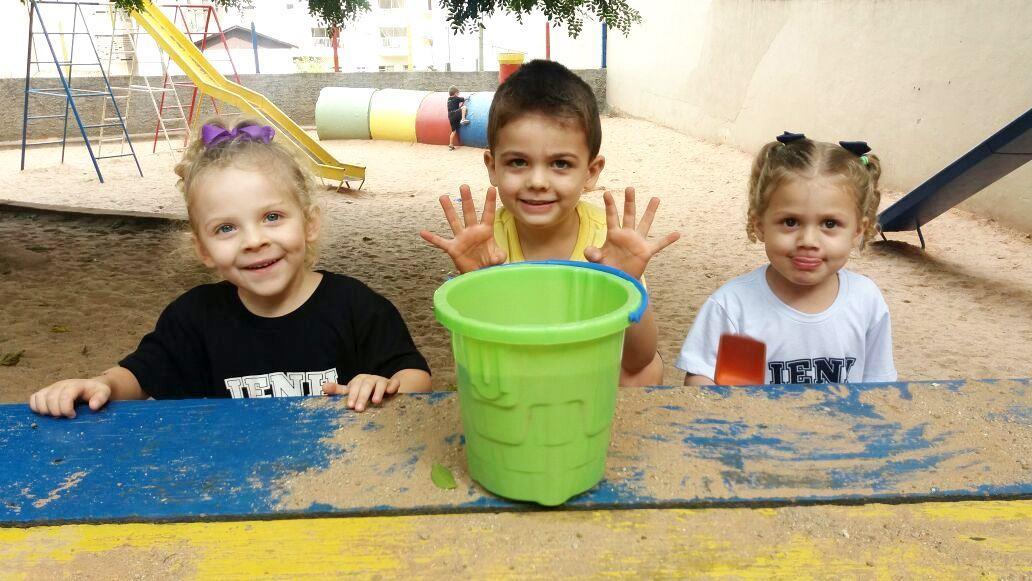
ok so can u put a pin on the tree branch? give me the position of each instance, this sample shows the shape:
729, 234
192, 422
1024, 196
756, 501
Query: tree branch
465, 15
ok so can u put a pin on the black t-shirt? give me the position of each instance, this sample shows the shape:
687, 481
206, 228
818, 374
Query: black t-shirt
207, 344
454, 103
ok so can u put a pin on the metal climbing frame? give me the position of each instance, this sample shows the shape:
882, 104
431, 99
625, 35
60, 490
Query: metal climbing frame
188, 18
116, 52
124, 47
66, 90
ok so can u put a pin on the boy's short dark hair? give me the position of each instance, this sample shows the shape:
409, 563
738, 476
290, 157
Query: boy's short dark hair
548, 88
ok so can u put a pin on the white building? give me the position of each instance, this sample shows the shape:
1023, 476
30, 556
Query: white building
398, 35
395, 35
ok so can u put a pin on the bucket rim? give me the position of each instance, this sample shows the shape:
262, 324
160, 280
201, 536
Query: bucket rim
563, 333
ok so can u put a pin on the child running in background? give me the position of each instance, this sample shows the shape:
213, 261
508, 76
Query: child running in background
544, 136
810, 203
456, 115
273, 327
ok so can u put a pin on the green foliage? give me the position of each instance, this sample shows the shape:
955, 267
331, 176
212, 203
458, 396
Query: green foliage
467, 15
133, 5
337, 13
617, 14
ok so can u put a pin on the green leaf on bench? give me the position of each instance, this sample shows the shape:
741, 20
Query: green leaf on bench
442, 477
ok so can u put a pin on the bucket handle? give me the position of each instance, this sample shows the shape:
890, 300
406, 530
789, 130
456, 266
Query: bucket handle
636, 315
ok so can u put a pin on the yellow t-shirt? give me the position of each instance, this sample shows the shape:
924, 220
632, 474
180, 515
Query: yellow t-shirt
592, 232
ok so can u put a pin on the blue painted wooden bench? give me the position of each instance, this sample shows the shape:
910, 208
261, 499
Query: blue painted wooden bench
193, 460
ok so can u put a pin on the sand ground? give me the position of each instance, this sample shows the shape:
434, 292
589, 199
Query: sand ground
77, 292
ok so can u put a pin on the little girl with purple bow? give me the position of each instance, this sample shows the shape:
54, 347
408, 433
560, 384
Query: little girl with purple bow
273, 326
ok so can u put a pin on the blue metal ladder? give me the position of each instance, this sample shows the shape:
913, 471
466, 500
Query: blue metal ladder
66, 90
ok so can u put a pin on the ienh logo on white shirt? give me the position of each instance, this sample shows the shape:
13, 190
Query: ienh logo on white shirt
816, 370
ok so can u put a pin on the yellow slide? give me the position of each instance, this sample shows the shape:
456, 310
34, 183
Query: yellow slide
210, 81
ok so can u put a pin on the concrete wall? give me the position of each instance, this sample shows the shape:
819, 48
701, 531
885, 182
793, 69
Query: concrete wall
923, 81
295, 94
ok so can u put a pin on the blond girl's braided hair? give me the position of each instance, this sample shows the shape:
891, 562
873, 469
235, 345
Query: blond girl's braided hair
794, 156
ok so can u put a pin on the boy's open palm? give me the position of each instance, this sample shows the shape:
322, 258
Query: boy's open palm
59, 399
473, 246
627, 246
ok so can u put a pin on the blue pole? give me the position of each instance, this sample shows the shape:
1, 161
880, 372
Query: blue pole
254, 47
69, 92
604, 45
28, 72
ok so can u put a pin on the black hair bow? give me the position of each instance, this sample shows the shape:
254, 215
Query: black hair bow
787, 137
858, 148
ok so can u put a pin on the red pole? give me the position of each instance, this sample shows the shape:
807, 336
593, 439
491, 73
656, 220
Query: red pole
335, 41
548, 40
229, 55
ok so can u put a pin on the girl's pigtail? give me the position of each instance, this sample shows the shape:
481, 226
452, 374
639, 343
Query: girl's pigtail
759, 177
775, 161
871, 200
873, 168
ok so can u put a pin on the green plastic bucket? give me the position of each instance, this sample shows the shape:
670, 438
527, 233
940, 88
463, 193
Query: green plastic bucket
537, 350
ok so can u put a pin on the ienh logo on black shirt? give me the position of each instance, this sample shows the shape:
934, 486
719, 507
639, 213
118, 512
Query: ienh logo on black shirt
280, 384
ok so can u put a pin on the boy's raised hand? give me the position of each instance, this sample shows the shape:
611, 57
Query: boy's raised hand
473, 246
627, 246
59, 399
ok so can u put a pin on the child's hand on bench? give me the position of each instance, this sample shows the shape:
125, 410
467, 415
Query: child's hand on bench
59, 399
363, 389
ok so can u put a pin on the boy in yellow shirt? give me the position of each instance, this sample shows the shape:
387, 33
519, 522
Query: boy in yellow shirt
544, 136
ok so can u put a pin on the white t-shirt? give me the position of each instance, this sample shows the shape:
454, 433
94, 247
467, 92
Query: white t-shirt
851, 341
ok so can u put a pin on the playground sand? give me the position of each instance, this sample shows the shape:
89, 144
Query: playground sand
78, 292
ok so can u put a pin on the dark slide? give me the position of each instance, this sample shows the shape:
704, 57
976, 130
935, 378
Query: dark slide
1007, 150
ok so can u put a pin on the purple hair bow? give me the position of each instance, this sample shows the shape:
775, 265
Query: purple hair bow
213, 135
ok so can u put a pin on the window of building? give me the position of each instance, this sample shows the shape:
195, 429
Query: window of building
389, 4
321, 37
394, 36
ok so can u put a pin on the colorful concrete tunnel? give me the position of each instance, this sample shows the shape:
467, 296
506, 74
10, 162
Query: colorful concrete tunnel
398, 115
404, 115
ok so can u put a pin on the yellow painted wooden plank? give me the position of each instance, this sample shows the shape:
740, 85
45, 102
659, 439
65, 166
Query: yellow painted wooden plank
942, 540
978, 511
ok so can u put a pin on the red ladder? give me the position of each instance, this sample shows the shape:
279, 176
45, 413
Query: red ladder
211, 28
